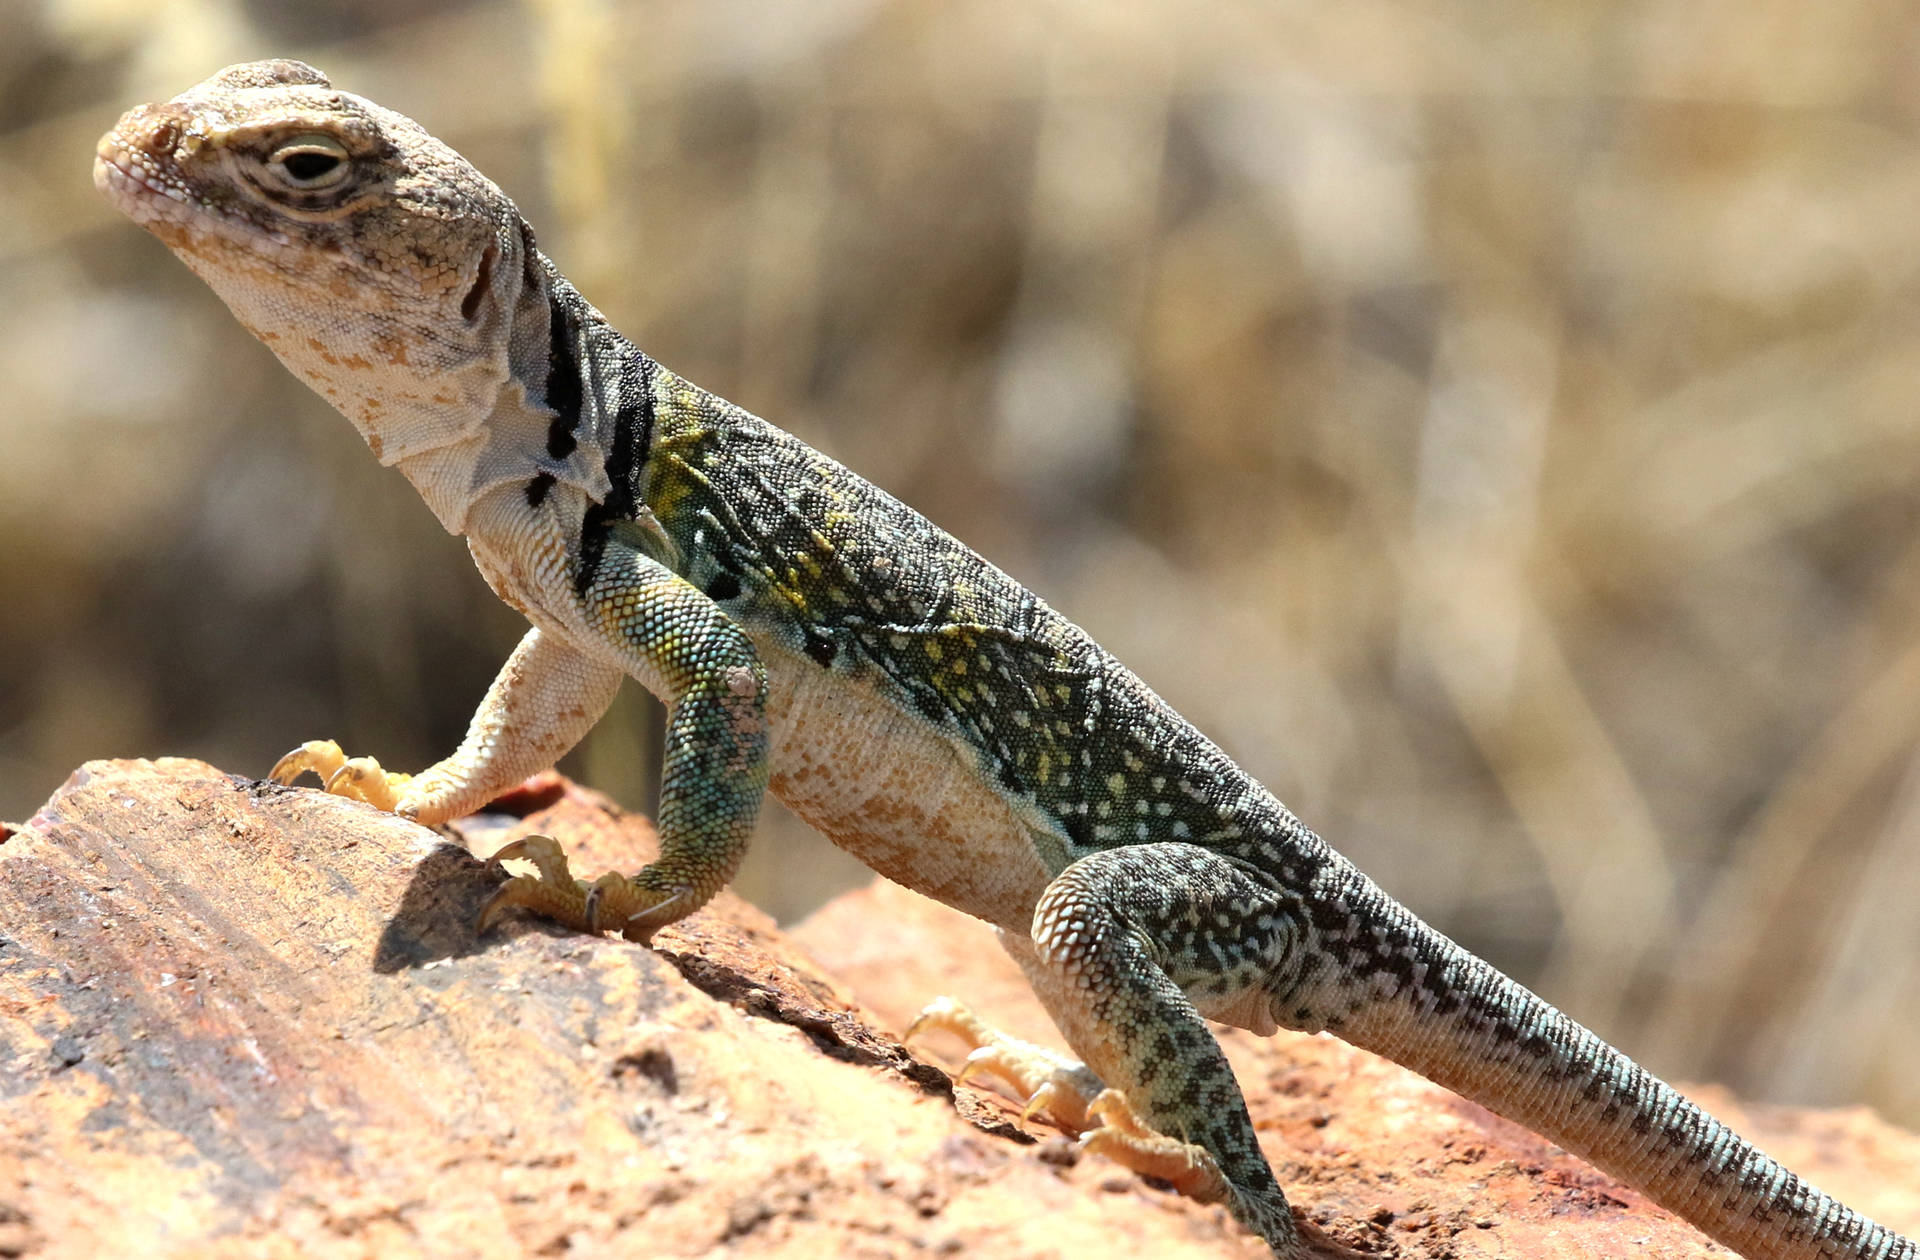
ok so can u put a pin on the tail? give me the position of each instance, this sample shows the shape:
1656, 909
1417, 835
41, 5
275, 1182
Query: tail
1459, 1022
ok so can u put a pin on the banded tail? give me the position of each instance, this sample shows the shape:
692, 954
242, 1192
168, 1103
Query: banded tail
1490, 1039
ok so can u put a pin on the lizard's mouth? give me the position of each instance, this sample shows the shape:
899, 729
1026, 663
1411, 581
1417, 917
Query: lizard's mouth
134, 189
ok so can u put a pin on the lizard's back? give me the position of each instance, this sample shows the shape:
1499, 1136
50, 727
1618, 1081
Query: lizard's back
1052, 745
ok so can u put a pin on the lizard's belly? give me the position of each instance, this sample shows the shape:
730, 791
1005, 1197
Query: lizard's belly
887, 788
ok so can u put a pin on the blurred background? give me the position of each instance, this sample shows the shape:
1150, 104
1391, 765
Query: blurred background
1496, 424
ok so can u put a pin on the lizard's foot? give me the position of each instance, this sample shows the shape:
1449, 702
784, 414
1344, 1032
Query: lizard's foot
1125, 1138
359, 778
1045, 1080
612, 903
1074, 1098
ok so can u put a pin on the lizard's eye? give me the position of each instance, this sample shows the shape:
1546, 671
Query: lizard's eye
309, 162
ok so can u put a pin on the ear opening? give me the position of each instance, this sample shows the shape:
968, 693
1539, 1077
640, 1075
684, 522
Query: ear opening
470, 304
530, 259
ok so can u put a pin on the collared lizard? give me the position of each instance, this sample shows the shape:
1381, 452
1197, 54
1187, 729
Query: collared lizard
812, 634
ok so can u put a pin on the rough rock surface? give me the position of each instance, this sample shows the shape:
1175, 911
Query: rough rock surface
244, 1020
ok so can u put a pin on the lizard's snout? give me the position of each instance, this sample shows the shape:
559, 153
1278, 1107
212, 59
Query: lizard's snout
137, 164
148, 134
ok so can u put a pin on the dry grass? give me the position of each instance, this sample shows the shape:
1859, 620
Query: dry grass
1496, 425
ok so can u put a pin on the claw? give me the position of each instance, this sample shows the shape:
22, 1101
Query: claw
543, 851
631, 911
513, 849
322, 756
974, 1061
490, 912
1044, 1099
1110, 1108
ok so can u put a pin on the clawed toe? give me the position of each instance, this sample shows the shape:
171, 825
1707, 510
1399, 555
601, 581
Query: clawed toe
1125, 1138
611, 903
1044, 1080
543, 851
553, 893
1074, 1098
357, 778
1055, 1101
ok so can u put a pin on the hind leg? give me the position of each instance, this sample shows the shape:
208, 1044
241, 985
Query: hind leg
1124, 942
1129, 946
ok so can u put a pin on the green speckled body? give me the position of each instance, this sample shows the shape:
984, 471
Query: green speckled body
820, 561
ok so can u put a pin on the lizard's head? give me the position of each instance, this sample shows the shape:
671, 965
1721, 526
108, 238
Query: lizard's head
369, 256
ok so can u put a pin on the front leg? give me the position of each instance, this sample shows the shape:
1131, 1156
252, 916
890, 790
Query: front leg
677, 642
543, 702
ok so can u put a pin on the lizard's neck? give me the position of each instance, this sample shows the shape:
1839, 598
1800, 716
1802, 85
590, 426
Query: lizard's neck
568, 415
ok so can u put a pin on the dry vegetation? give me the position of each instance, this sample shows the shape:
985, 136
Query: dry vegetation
1497, 425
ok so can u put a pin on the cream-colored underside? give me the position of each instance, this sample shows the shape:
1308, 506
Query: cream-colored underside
886, 787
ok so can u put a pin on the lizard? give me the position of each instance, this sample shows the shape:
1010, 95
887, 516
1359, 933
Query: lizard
813, 636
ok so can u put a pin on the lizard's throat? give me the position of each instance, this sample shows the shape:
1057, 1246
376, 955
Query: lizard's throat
419, 404
537, 394
511, 445
570, 425
437, 428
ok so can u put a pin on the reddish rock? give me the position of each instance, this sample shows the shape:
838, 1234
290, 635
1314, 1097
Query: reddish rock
239, 1020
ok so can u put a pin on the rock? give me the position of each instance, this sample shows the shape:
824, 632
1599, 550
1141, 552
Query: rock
240, 1020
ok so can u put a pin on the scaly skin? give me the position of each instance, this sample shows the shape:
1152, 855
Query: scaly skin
813, 634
